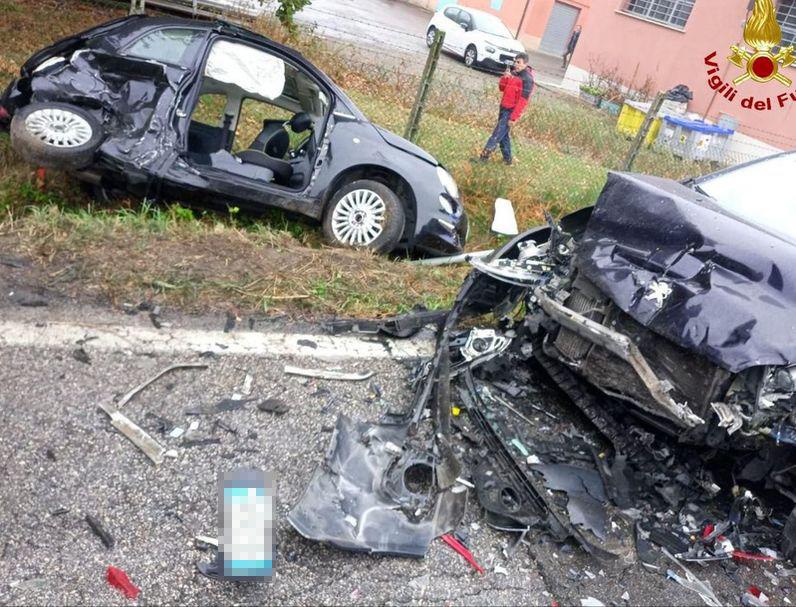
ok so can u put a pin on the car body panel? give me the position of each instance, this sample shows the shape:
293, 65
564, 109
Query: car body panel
732, 285
145, 108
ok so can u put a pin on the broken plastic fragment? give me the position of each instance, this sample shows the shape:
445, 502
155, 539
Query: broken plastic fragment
151, 448
743, 556
100, 531
129, 396
458, 547
590, 601
466, 483
273, 405
520, 447
118, 579
331, 375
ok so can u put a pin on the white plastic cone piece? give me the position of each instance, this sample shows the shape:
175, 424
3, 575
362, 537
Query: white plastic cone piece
505, 222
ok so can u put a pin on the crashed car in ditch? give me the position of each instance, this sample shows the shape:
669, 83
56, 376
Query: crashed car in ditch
665, 315
215, 115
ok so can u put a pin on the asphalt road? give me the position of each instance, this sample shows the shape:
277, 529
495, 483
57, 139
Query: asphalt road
383, 32
60, 452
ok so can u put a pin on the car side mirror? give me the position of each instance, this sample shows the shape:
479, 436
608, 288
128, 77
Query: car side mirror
465, 27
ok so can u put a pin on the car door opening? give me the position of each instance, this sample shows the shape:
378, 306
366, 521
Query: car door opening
257, 117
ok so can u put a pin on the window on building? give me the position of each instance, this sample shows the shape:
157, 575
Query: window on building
670, 12
786, 14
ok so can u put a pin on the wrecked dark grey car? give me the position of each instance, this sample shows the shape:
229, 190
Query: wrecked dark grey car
680, 300
676, 301
215, 115
664, 317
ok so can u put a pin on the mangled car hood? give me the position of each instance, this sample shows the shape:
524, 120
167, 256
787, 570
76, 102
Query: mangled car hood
685, 268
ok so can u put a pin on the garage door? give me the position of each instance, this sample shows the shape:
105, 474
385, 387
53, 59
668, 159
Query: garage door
559, 29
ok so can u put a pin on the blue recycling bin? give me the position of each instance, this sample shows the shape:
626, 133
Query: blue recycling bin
694, 139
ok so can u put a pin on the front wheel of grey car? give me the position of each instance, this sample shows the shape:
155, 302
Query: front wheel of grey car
56, 135
365, 214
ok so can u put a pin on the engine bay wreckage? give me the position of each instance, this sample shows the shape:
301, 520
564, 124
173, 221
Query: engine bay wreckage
660, 329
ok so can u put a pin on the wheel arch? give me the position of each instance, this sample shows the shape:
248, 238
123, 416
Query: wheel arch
393, 180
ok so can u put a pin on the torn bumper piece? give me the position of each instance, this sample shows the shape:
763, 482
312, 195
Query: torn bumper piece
370, 494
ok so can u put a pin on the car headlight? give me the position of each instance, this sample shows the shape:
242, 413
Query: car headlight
490, 49
448, 183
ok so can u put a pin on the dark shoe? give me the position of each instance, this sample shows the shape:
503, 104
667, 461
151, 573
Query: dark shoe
482, 159
508, 162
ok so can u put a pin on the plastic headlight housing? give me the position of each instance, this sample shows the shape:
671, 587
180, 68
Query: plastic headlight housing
49, 62
448, 183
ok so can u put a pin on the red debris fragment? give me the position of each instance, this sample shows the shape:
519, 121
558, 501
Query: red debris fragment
458, 547
741, 555
708, 530
41, 177
118, 579
754, 591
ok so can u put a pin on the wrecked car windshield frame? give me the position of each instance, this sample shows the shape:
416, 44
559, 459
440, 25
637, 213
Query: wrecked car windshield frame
757, 192
195, 38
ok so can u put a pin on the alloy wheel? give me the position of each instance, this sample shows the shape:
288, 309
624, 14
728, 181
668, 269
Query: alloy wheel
358, 218
58, 127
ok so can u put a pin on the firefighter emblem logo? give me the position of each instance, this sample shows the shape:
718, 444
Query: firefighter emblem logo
763, 33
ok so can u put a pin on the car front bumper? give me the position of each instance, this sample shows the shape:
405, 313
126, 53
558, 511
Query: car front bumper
497, 61
443, 235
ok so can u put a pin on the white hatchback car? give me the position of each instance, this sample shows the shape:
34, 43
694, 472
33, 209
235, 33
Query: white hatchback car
478, 37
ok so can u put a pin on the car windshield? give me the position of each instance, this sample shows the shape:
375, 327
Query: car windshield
761, 193
489, 24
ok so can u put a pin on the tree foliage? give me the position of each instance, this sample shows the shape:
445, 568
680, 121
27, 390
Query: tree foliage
287, 9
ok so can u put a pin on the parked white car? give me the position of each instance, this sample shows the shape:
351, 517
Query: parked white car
478, 37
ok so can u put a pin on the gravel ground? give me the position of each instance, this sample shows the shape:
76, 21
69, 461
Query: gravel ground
59, 451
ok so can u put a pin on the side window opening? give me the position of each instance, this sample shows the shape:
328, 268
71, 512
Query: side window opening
210, 109
257, 116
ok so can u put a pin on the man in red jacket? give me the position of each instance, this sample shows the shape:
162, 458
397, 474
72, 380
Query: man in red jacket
517, 85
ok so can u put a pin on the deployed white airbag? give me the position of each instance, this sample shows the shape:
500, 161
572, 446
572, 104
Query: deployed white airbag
252, 70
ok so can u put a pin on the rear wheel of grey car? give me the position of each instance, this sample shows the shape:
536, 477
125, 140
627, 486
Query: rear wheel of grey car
431, 36
56, 135
365, 214
470, 56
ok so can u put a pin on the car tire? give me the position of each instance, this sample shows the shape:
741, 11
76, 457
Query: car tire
56, 135
431, 35
365, 214
471, 56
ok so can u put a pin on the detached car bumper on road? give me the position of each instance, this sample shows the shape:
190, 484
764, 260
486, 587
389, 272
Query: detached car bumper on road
215, 115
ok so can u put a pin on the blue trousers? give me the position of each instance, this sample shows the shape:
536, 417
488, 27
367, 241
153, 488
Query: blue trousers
501, 135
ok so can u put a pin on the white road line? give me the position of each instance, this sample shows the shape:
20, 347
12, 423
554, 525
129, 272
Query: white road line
110, 337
